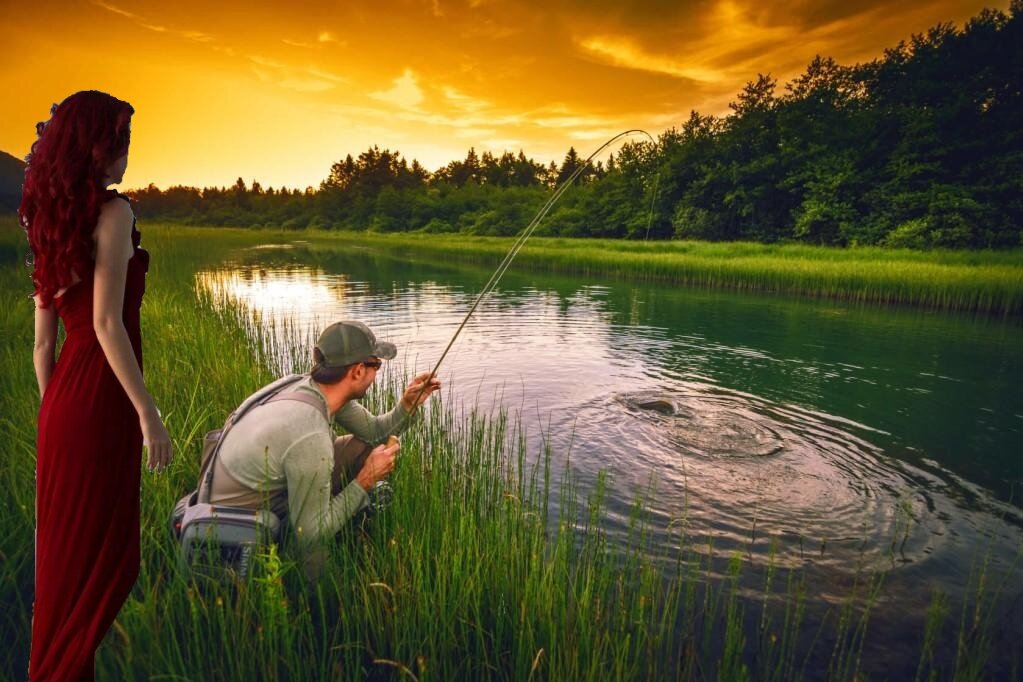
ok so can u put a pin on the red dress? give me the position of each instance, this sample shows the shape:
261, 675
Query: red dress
88, 471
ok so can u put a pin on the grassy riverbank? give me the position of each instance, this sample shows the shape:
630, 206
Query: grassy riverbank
971, 281
476, 571
985, 281
980, 281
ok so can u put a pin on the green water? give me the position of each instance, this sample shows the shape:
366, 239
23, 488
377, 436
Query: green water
828, 436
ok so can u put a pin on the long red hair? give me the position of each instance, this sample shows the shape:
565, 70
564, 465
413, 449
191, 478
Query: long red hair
64, 185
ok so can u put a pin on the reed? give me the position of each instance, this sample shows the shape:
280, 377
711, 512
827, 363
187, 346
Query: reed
475, 572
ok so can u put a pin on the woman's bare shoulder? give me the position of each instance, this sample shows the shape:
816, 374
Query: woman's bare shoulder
114, 226
116, 208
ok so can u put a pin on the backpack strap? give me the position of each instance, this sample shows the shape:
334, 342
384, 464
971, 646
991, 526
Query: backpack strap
278, 390
303, 397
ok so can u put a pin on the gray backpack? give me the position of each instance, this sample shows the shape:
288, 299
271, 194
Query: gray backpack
214, 537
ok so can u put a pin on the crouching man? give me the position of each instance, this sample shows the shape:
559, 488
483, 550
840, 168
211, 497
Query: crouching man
284, 452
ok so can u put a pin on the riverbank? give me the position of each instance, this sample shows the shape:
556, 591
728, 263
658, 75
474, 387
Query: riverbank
982, 281
475, 572
989, 282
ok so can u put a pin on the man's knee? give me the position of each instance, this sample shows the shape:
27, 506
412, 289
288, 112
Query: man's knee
348, 449
349, 455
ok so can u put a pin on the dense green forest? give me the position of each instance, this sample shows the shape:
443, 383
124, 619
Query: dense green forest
922, 147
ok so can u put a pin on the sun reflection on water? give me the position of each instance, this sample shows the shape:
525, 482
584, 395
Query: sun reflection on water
298, 291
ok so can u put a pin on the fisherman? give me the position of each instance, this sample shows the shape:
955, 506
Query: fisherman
284, 452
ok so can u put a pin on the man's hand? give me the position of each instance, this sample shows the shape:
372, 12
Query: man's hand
419, 390
379, 463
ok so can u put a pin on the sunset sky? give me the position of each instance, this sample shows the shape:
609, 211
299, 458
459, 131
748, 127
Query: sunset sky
277, 94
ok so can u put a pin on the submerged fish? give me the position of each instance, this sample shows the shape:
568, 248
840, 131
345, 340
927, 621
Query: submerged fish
708, 426
662, 405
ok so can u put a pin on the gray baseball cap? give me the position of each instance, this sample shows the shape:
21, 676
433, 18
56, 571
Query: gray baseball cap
347, 342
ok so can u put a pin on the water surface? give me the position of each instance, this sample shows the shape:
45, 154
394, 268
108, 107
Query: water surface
827, 436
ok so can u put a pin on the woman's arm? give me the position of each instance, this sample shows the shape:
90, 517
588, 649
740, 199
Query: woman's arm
113, 251
45, 345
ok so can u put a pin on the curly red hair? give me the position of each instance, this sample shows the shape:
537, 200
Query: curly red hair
64, 185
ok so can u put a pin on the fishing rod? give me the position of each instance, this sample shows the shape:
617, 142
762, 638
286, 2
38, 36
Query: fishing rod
525, 235
382, 493
520, 242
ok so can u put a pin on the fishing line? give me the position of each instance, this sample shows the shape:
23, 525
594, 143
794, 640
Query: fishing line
381, 493
653, 198
525, 235
527, 232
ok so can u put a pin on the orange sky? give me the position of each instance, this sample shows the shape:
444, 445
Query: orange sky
232, 89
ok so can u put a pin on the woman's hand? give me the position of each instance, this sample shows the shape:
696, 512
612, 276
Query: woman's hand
157, 441
419, 390
113, 251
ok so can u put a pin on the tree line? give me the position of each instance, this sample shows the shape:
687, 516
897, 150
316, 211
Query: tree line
922, 147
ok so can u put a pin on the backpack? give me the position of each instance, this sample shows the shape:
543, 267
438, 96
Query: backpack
214, 536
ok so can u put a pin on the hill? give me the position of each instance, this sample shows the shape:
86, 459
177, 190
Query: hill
12, 174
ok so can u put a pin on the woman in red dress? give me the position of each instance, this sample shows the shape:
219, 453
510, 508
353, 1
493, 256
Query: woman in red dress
96, 413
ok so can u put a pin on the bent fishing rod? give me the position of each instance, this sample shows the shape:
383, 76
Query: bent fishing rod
517, 246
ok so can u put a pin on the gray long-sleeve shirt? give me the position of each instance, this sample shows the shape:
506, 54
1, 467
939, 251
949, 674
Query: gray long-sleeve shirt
283, 452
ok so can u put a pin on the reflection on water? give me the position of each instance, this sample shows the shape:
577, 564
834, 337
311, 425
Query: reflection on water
300, 294
832, 437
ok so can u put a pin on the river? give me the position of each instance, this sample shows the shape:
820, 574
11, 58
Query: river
823, 435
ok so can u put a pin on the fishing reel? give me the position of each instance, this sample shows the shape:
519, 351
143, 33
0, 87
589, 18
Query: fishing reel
380, 496
382, 493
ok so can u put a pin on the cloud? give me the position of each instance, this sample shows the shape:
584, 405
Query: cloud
729, 42
322, 39
115, 10
327, 75
493, 123
595, 134
307, 79
373, 113
197, 36
624, 52
194, 36
497, 131
405, 93
266, 61
462, 101
569, 121
299, 43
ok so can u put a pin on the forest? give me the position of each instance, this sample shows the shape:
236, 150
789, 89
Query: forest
920, 148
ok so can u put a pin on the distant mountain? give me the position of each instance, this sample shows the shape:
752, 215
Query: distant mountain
12, 175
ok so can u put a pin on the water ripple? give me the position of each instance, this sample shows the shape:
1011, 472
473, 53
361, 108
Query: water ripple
732, 465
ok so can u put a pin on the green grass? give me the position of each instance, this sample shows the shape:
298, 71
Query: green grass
988, 281
476, 571
973, 281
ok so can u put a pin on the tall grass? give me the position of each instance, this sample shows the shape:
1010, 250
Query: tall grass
474, 572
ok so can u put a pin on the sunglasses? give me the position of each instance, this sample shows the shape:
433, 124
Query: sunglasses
372, 364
